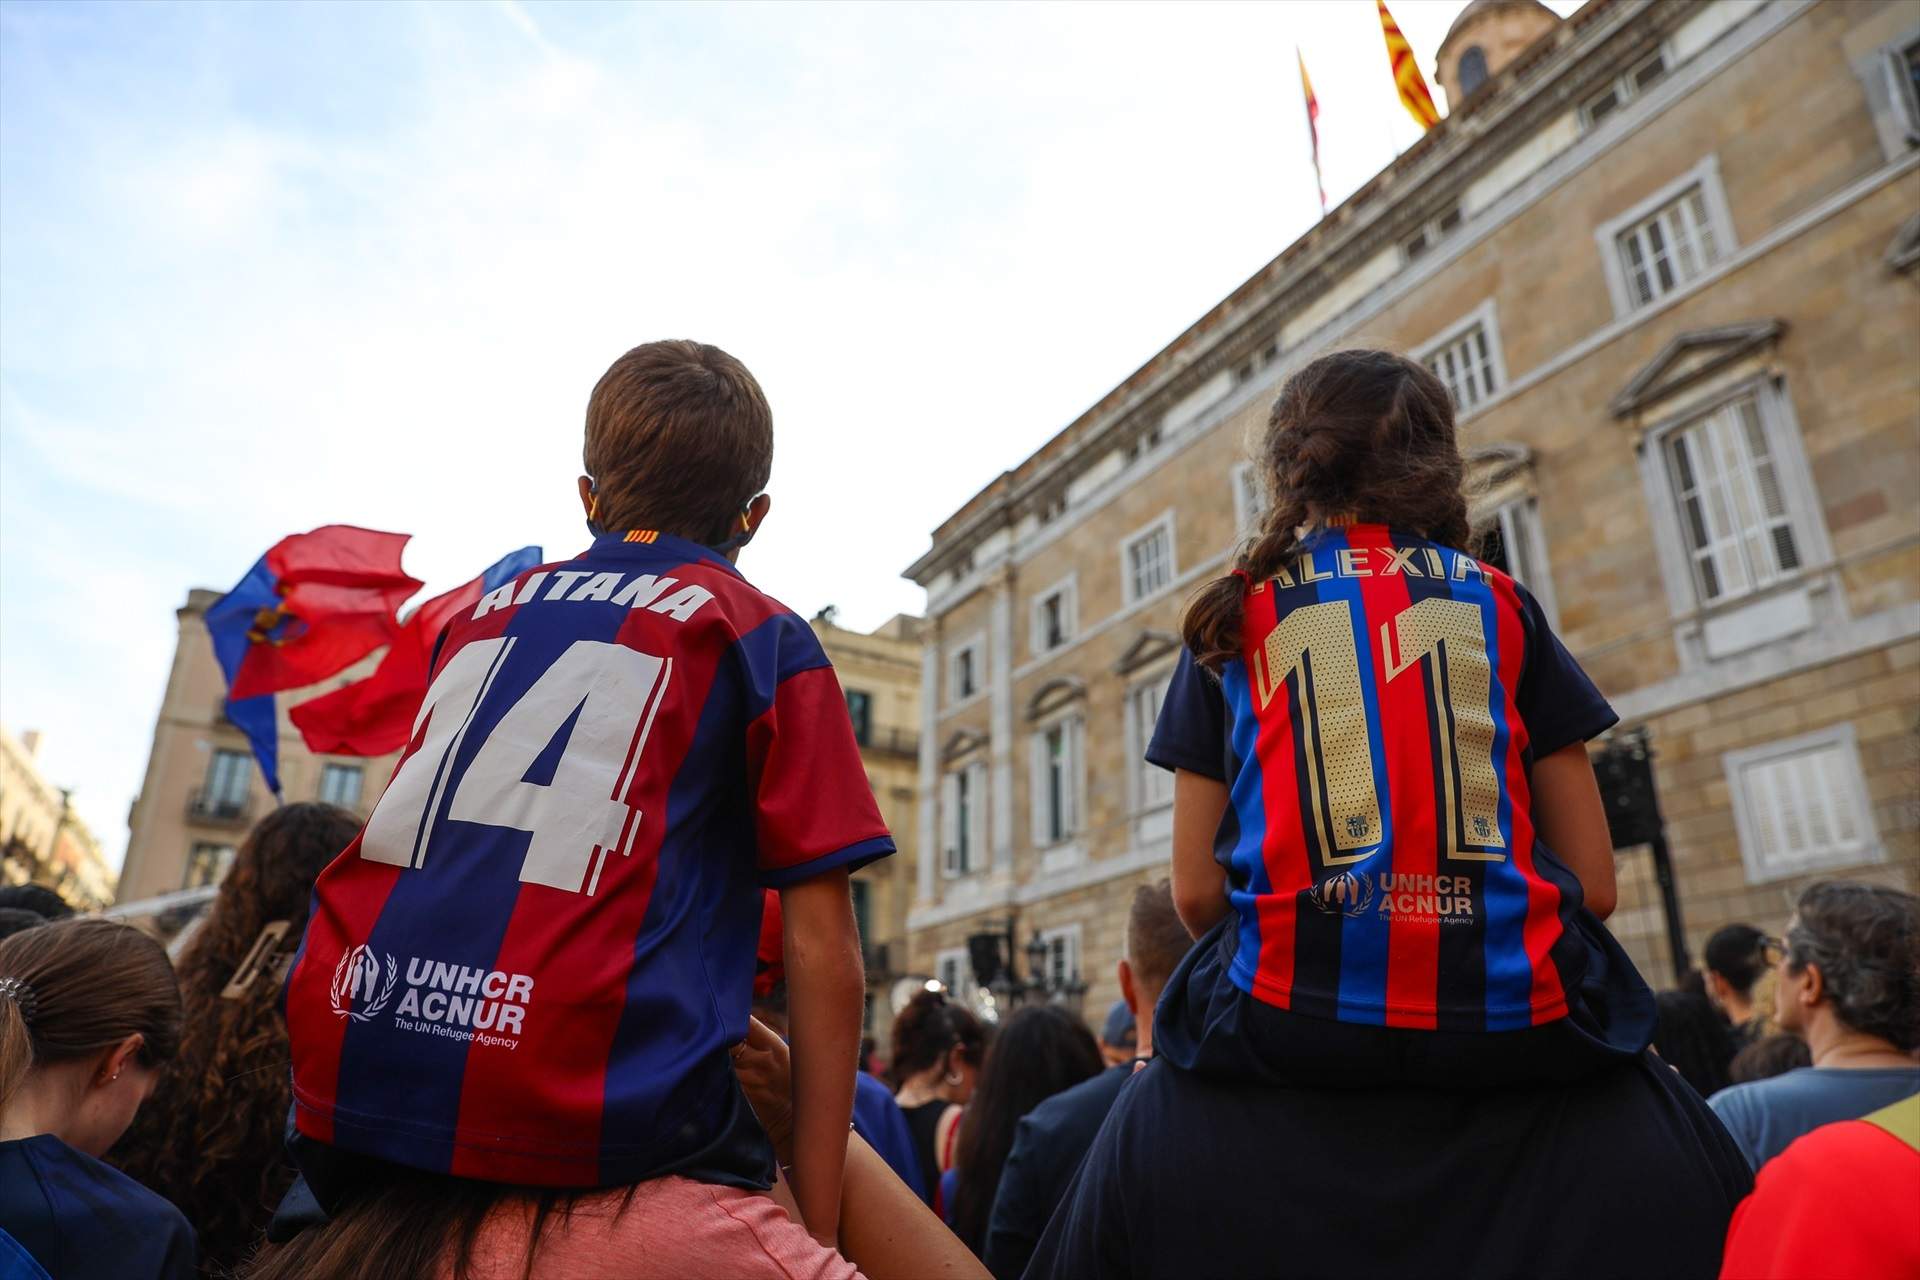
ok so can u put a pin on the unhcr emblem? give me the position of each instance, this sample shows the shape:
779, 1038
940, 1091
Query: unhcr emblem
358, 975
1345, 894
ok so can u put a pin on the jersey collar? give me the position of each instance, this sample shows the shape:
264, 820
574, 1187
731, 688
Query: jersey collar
651, 543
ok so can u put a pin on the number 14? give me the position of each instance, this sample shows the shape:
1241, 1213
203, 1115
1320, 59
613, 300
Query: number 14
578, 820
1446, 636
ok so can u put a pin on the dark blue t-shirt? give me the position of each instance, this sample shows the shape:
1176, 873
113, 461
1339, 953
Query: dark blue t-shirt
1625, 1174
877, 1118
85, 1220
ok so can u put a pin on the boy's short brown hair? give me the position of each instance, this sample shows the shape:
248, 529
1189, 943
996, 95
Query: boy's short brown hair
679, 438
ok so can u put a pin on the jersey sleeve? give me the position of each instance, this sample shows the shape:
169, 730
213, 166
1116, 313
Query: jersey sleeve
1191, 733
814, 810
1557, 701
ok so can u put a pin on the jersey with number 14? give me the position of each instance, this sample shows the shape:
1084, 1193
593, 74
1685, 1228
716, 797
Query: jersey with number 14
529, 966
1377, 734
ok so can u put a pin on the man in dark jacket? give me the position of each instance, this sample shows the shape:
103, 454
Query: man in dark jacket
1049, 1144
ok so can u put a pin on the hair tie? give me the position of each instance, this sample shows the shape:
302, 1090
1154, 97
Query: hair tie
21, 993
1243, 575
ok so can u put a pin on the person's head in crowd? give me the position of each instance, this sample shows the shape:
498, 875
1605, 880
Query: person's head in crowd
1769, 1056
1692, 1037
1156, 944
1040, 1051
938, 1044
36, 898
88, 1013
1117, 1037
1357, 433
1851, 968
210, 1139
14, 919
679, 439
1735, 958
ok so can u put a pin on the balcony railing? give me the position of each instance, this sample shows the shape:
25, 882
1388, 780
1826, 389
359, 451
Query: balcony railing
892, 741
218, 810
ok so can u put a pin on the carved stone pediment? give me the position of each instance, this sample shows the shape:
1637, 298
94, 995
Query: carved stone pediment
962, 741
1691, 357
1055, 694
1149, 646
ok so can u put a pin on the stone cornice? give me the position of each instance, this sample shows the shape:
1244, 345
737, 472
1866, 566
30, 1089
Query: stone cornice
1554, 76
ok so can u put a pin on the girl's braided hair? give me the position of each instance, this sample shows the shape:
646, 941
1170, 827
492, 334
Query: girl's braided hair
1366, 434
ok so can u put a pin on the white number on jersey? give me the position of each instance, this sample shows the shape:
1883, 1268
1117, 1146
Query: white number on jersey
578, 819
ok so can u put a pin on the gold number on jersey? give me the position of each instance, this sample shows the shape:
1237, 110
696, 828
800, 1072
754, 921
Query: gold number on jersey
1450, 633
1315, 642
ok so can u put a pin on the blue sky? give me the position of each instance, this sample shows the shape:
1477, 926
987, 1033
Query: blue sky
267, 267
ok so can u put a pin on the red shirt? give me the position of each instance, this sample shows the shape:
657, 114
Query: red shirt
1841, 1202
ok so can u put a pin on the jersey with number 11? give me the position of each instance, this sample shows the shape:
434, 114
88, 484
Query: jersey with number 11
530, 964
1377, 735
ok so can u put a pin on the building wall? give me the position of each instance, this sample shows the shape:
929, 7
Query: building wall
1783, 106
885, 665
165, 827
46, 843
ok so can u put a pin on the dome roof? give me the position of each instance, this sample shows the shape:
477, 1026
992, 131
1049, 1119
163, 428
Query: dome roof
1477, 9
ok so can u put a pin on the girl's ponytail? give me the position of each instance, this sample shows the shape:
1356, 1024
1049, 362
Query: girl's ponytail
16, 1047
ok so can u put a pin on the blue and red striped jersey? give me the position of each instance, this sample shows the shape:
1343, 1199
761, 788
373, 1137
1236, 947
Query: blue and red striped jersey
1376, 734
531, 963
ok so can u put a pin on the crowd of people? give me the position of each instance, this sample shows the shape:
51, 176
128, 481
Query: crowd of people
1372, 1024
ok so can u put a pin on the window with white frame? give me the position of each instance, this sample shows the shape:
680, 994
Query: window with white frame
952, 968
1801, 805
1465, 363
1249, 498
1152, 785
1063, 955
1146, 560
1643, 75
963, 670
1055, 616
207, 864
1668, 247
1733, 512
229, 774
340, 784
1058, 780
1510, 542
963, 806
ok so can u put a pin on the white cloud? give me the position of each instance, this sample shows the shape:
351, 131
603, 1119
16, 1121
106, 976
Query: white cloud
262, 269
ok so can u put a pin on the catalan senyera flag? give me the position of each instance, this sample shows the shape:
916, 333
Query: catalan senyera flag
1313, 128
1406, 72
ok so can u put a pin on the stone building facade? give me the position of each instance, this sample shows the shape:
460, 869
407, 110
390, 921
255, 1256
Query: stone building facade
880, 674
42, 841
202, 790
1665, 259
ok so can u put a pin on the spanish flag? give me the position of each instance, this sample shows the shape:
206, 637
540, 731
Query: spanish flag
1406, 72
1313, 128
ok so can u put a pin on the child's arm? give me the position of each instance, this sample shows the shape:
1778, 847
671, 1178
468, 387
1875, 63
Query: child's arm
1199, 882
826, 995
1572, 821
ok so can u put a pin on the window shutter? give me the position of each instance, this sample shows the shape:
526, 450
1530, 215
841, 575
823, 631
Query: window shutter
950, 823
1076, 789
1037, 788
977, 828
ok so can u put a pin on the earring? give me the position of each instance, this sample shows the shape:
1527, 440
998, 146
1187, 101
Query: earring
954, 1077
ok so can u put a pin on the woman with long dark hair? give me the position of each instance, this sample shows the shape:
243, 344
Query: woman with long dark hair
937, 1050
1041, 1051
210, 1138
